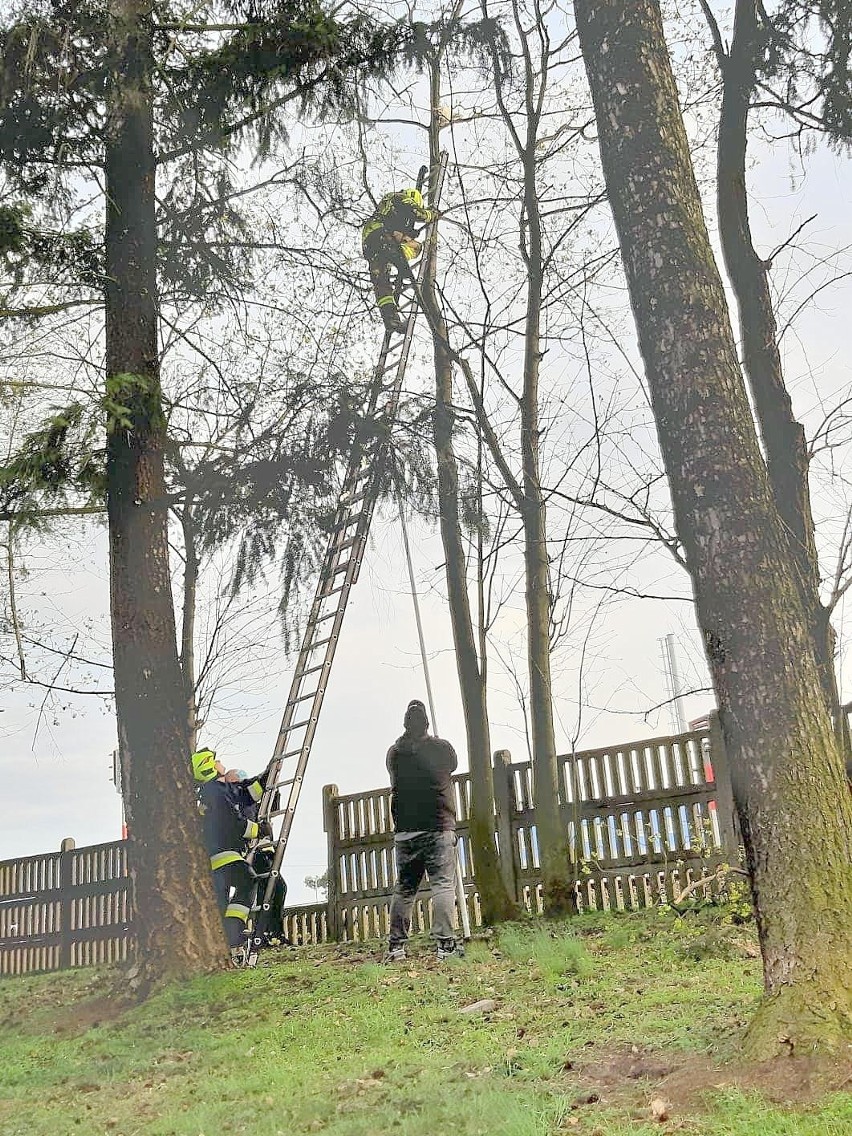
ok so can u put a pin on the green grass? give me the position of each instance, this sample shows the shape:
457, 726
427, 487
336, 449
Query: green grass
328, 1040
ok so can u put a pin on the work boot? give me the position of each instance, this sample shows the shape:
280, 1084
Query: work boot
449, 948
392, 322
395, 954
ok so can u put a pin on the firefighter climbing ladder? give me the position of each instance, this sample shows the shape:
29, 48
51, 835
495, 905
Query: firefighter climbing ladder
339, 573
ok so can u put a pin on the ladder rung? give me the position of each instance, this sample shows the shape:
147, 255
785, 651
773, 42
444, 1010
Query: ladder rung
355, 478
303, 697
326, 617
350, 523
325, 595
344, 567
343, 532
342, 526
355, 498
281, 812
322, 642
346, 543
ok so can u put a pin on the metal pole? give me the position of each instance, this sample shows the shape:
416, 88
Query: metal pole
676, 692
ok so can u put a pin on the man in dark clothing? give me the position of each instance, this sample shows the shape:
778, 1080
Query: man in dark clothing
424, 818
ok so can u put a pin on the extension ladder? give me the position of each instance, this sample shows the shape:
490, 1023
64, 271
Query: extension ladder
339, 572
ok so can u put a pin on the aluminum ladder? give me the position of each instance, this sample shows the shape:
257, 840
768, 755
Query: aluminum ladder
339, 573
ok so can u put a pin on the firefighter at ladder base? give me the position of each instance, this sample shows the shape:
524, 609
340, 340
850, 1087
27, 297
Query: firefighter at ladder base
247, 792
389, 241
226, 831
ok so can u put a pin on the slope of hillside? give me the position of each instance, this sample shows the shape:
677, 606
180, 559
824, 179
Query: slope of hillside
603, 1026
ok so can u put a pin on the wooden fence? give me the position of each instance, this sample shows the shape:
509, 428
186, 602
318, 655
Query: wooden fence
645, 819
72, 908
65, 909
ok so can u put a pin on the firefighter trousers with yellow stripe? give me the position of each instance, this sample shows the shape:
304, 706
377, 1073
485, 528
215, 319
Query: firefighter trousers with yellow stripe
383, 254
235, 884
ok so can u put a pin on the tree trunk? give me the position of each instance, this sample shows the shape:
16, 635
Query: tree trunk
178, 928
783, 436
557, 871
497, 904
795, 812
557, 877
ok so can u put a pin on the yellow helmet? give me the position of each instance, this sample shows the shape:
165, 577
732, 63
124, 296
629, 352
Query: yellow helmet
204, 765
413, 197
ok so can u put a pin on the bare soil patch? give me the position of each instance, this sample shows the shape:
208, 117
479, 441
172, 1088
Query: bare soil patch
635, 1077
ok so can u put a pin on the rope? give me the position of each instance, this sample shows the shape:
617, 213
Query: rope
423, 658
460, 894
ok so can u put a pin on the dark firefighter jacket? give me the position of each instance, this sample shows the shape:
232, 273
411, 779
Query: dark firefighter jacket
228, 821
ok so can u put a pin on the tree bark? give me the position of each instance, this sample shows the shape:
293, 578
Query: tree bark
497, 905
795, 811
178, 928
557, 878
557, 873
783, 437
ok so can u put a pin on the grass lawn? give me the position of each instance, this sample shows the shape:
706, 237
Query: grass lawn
605, 1026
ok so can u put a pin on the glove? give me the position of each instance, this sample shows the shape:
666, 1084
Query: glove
265, 830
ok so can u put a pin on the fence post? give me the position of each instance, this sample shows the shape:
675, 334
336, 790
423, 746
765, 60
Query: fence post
66, 901
725, 808
504, 801
329, 823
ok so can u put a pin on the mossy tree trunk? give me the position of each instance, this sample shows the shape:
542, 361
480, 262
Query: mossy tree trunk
784, 441
177, 924
795, 812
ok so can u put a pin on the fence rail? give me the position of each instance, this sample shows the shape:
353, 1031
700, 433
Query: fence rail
643, 820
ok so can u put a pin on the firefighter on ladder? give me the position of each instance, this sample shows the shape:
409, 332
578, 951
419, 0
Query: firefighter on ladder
389, 240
